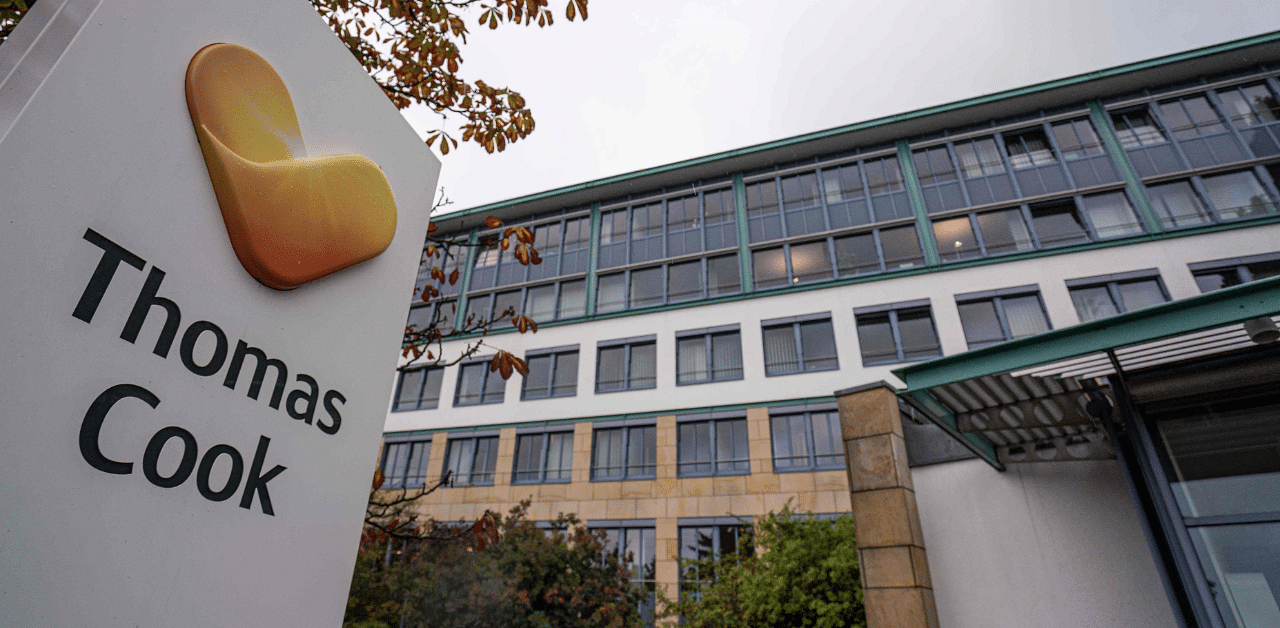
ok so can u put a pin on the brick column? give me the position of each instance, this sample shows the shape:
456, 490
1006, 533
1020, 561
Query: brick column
895, 573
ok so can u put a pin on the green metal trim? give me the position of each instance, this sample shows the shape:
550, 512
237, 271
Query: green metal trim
1222, 307
1132, 181
902, 117
744, 234
622, 417
982, 261
593, 258
461, 314
938, 413
923, 229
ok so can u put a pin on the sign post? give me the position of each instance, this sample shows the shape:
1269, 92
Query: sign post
205, 262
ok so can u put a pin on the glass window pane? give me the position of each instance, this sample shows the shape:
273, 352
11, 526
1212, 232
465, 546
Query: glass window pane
1028, 149
1224, 462
1024, 316
1177, 205
1093, 303
608, 453
470, 381
726, 356
856, 255
643, 366
685, 281
540, 303
781, 437
641, 453
1238, 195
919, 340
901, 248
695, 447
611, 293
573, 299
410, 388
1111, 215
505, 306
646, 287
818, 345
955, 239
394, 458
1241, 561
1209, 281
875, 338
827, 444
494, 386
564, 381
769, 268
1058, 224
842, 183
981, 324
1136, 129
611, 372
780, 354
691, 360
536, 383
431, 389
810, 262
723, 276
1004, 232
1136, 295
731, 445
486, 460
528, 457
559, 456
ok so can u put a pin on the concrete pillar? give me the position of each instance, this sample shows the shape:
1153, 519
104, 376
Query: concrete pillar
895, 572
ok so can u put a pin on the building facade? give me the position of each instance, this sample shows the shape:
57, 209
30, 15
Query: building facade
714, 337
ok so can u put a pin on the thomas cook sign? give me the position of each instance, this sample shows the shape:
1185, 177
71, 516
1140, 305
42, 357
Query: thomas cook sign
210, 219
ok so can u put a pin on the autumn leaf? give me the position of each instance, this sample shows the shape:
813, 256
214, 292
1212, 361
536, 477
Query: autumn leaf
492, 223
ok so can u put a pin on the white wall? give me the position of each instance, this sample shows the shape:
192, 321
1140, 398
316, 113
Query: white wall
1170, 256
1043, 544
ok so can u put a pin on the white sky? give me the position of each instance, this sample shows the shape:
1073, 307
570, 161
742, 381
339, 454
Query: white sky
645, 83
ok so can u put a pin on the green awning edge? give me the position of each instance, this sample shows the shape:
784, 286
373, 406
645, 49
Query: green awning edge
1221, 307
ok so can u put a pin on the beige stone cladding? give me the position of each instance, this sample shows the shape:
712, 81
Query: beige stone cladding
665, 499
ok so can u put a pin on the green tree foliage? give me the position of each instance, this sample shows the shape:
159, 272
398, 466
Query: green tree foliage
805, 576
411, 48
501, 572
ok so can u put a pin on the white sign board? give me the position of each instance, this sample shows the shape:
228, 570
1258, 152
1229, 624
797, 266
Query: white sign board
180, 444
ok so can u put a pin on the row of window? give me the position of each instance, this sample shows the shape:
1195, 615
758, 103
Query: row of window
887, 334
683, 247
804, 439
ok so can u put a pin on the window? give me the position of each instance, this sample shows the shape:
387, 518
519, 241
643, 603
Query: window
799, 344
1200, 131
471, 461
1100, 297
1238, 195
668, 283
937, 176
1177, 205
477, 385
708, 355
1086, 159
902, 332
634, 543
701, 540
627, 364
552, 373
624, 453
404, 464
1143, 140
985, 175
1253, 110
1027, 149
713, 447
543, 458
439, 313
1225, 273
563, 247
669, 227
806, 440
993, 317
419, 389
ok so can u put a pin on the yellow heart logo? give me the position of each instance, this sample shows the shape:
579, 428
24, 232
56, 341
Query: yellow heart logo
292, 218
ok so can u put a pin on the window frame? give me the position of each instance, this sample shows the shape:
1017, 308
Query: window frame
555, 353
629, 429
1112, 284
415, 446
714, 423
893, 311
628, 344
708, 334
491, 443
418, 404
544, 451
795, 323
484, 397
807, 412
1239, 265
997, 297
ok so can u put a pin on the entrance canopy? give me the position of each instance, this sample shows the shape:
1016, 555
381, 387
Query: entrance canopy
1039, 398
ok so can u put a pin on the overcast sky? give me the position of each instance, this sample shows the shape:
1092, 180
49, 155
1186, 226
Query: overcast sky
646, 83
